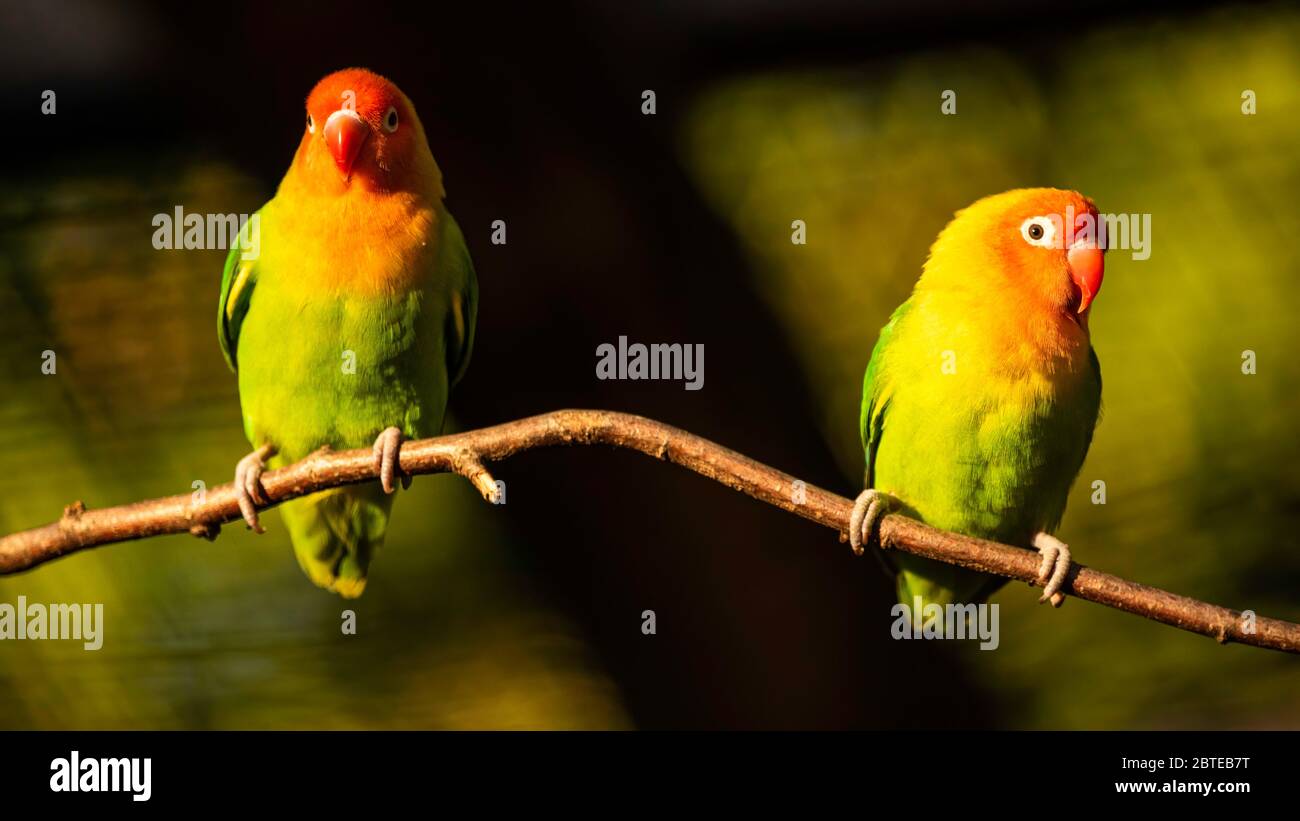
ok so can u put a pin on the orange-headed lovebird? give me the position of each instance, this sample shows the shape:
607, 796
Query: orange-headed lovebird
353, 321
983, 390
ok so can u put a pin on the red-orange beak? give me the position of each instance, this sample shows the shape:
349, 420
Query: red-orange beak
1087, 266
345, 132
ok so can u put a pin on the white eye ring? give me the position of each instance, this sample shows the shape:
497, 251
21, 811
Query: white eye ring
1039, 231
311, 124
390, 119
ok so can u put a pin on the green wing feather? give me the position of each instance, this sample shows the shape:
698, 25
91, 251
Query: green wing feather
237, 282
876, 392
462, 318
1092, 403
913, 575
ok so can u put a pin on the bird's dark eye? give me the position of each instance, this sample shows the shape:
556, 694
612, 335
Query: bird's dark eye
311, 124
390, 120
1039, 231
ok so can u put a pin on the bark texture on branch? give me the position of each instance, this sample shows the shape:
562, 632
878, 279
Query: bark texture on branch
466, 453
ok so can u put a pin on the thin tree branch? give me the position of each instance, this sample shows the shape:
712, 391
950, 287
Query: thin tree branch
465, 453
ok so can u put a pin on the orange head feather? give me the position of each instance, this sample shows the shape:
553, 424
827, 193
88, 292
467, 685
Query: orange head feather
1030, 249
362, 133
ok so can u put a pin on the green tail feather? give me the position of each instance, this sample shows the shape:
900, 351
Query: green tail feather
942, 583
336, 533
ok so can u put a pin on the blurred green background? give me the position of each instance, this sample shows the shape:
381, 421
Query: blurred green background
673, 228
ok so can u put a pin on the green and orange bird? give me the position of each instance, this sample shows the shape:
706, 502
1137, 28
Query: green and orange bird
354, 320
982, 393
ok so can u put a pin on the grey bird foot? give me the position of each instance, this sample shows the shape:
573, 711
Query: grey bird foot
387, 462
867, 510
1053, 570
248, 485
